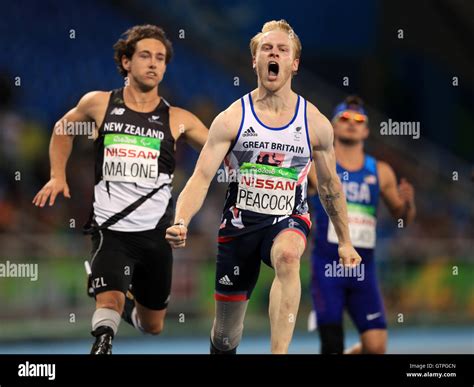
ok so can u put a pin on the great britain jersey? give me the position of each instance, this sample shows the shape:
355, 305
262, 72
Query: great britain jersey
267, 170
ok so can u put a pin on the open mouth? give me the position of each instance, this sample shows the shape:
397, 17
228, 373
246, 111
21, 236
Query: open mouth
273, 68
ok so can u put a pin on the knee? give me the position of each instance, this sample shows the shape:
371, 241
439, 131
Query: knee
111, 300
374, 348
153, 328
286, 261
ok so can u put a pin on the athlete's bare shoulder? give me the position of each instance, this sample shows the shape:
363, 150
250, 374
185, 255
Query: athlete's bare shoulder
321, 132
183, 122
92, 98
227, 123
181, 118
180, 113
233, 114
94, 104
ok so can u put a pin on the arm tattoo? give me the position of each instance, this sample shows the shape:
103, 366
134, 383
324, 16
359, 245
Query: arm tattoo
330, 205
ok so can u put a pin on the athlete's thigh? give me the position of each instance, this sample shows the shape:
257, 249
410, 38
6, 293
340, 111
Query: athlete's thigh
111, 261
328, 291
237, 266
288, 234
364, 300
153, 273
287, 242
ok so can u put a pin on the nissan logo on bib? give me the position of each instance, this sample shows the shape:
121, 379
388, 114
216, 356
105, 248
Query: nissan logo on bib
131, 159
266, 189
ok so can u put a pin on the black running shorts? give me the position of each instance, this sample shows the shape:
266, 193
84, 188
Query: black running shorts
143, 259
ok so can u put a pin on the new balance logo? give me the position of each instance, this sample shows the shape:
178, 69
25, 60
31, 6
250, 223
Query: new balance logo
225, 281
250, 132
117, 111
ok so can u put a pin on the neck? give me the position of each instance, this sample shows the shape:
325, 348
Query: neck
139, 95
282, 99
349, 155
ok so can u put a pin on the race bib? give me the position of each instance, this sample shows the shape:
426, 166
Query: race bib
131, 159
266, 189
362, 226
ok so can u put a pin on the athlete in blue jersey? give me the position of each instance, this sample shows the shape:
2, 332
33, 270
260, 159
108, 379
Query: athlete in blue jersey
333, 287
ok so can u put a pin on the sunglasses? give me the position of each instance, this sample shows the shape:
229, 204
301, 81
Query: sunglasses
357, 117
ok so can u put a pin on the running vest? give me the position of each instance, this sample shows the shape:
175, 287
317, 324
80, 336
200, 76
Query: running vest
266, 169
362, 194
134, 165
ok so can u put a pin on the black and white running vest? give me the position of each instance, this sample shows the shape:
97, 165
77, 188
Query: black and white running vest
134, 168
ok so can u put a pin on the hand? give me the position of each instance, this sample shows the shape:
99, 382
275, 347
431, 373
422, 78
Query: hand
348, 256
50, 190
176, 235
406, 192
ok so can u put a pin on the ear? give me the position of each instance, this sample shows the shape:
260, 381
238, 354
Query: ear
254, 63
295, 65
125, 63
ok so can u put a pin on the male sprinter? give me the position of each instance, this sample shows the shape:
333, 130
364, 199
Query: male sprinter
363, 179
132, 207
266, 139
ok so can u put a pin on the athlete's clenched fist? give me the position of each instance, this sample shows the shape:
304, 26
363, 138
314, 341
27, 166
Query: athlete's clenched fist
348, 256
176, 235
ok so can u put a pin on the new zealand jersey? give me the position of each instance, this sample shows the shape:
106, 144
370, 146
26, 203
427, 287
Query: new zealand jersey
134, 167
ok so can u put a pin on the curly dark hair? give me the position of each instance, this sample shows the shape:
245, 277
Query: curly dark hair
127, 43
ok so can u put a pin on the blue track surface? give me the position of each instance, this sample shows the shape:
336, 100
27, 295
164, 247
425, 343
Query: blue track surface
410, 340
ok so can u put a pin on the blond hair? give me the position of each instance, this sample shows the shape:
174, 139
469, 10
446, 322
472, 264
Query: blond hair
274, 25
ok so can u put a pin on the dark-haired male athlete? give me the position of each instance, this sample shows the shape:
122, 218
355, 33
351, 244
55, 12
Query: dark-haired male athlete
333, 288
134, 147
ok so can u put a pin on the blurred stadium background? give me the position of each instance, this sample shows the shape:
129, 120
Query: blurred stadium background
44, 72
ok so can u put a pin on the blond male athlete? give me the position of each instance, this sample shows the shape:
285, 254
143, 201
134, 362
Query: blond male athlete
267, 139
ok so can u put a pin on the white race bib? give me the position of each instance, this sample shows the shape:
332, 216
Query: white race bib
266, 189
362, 226
131, 159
